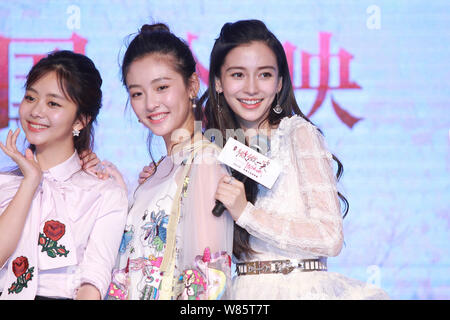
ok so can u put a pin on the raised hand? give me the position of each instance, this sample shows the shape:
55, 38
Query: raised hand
27, 164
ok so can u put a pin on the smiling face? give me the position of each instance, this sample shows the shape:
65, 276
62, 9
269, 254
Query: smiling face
249, 80
160, 97
47, 116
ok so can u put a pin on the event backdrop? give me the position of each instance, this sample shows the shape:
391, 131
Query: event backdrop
373, 75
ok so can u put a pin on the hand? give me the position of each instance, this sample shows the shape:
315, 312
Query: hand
27, 164
88, 292
89, 161
111, 171
231, 193
146, 172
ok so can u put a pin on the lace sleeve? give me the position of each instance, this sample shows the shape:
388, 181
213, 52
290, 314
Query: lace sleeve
315, 225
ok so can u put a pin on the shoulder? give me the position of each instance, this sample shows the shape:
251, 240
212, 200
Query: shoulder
296, 127
206, 164
290, 125
208, 147
207, 153
106, 188
303, 136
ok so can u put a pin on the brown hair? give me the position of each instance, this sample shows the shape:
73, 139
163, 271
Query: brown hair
80, 82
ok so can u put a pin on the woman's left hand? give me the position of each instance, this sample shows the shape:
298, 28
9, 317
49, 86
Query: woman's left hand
231, 193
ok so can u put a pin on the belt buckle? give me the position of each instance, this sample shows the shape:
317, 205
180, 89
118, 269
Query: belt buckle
283, 266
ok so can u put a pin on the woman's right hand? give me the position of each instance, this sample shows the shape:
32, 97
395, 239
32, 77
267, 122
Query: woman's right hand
109, 170
27, 164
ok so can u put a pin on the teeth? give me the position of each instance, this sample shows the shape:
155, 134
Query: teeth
251, 101
37, 126
158, 117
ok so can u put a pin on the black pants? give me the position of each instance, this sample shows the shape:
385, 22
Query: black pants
48, 298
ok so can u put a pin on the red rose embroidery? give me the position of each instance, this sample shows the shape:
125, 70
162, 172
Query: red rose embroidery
20, 266
23, 273
54, 230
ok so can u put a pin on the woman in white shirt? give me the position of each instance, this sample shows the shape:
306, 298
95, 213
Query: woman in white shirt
60, 227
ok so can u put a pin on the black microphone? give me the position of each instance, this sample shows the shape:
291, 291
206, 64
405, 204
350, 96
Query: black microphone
260, 143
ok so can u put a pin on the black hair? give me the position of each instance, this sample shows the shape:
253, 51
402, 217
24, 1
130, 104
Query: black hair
158, 39
217, 113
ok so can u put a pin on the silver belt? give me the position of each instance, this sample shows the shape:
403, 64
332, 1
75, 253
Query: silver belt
279, 266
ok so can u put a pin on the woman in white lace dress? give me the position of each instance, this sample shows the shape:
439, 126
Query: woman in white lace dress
283, 235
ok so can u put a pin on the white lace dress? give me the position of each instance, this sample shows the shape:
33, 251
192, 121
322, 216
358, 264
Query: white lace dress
299, 218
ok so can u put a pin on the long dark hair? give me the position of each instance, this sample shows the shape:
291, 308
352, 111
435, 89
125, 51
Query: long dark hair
217, 113
157, 39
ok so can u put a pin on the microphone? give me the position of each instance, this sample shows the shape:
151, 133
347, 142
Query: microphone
259, 143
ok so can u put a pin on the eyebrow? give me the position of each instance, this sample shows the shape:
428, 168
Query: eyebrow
131, 86
54, 95
242, 68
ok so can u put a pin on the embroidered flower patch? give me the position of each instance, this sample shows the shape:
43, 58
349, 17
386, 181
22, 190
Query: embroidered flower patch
53, 231
23, 273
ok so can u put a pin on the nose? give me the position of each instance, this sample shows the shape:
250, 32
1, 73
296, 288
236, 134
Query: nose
38, 109
251, 86
151, 103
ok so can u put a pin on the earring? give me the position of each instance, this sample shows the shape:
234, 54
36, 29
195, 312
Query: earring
75, 132
194, 105
219, 108
277, 109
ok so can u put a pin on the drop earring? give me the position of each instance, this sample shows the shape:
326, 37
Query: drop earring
194, 105
219, 108
277, 109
